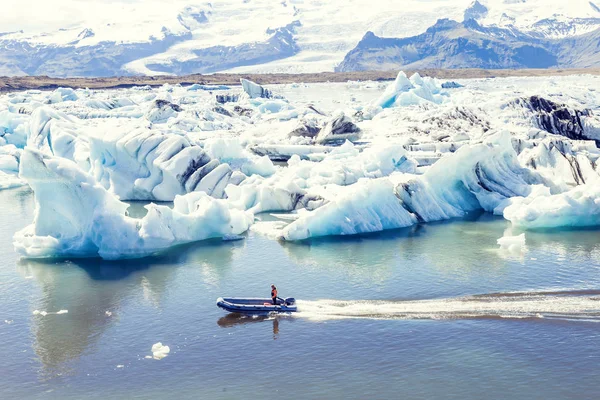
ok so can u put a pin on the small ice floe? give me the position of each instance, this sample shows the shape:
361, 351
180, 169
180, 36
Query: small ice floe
44, 313
513, 244
120, 366
107, 313
270, 229
159, 351
230, 238
8, 321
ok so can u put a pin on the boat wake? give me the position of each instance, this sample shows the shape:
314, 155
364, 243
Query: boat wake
564, 305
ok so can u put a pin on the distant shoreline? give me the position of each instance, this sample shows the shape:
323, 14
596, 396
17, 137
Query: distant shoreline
12, 84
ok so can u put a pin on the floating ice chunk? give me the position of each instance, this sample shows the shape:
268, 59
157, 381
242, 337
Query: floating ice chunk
230, 150
197, 86
159, 351
108, 313
274, 106
451, 85
44, 313
339, 128
232, 238
512, 243
306, 127
148, 165
271, 229
254, 90
8, 321
579, 207
476, 177
413, 91
368, 206
77, 217
120, 366
291, 188
63, 94
14, 128
161, 110
401, 85
225, 149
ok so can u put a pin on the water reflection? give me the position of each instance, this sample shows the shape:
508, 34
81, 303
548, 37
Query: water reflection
233, 320
371, 259
94, 290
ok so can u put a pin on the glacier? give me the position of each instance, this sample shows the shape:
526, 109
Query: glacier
186, 37
326, 159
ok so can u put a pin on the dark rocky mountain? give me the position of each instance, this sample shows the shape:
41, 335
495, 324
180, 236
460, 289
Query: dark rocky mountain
451, 44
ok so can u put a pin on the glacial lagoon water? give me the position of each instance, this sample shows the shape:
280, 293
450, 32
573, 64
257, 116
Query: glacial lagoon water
408, 322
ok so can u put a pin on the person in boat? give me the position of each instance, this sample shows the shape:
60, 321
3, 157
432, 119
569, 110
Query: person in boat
274, 294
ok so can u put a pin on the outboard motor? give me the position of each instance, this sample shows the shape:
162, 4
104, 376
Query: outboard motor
290, 301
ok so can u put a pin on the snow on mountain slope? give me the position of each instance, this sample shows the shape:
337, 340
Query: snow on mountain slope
552, 19
451, 44
100, 38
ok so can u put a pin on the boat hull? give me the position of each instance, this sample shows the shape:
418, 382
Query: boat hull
255, 306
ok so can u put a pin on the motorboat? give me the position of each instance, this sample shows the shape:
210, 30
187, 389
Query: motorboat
257, 305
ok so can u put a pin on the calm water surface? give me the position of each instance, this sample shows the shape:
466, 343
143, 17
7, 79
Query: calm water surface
171, 299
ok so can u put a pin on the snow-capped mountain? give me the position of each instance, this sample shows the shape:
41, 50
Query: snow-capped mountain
124, 37
451, 44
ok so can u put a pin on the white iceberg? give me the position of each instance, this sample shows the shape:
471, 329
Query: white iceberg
513, 244
301, 184
416, 90
254, 90
579, 207
13, 128
159, 351
148, 165
477, 177
77, 217
230, 151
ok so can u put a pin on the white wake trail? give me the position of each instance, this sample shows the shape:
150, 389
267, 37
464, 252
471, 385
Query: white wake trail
569, 305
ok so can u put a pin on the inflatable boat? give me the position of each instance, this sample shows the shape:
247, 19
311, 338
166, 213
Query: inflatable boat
256, 306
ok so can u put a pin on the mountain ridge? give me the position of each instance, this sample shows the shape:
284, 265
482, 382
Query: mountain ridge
131, 37
451, 44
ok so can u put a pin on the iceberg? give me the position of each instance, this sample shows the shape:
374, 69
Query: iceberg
77, 217
230, 150
482, 176
160, 351
254, 90
416, 90
579, 207
63, 94
197, 86
13, 128
339, 128
512, 243
371, 207
418, 155
303, 183
56, 133
149, 165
